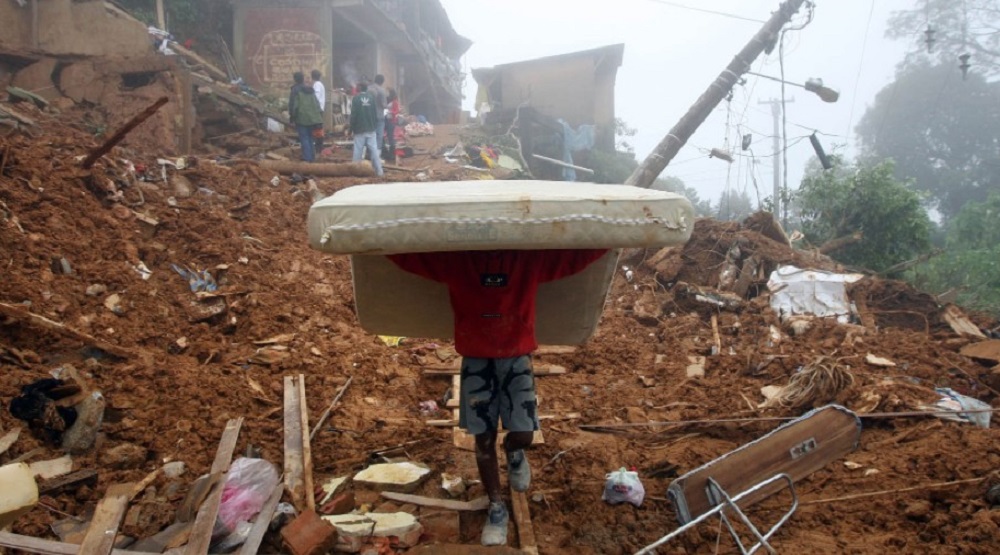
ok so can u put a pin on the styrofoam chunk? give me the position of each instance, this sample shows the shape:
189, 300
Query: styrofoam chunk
18, 492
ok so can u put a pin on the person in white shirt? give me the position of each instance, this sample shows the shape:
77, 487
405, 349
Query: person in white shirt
321, 97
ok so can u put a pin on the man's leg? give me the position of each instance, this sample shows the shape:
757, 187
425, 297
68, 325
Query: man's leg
318, 143
478, 414
376, 154
519, 413
359, 147
306, 140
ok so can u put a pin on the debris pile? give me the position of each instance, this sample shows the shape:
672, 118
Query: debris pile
182, 289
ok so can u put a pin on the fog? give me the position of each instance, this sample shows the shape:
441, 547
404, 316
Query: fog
672, 54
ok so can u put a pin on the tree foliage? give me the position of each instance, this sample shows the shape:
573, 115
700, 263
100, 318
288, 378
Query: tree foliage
970, 263
847, 199
702, 207
941, 132
734, 205
966, 27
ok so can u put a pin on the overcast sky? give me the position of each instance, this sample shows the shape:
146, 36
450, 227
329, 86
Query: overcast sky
672, 54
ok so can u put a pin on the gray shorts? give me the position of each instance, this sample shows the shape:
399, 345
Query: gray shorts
498, 390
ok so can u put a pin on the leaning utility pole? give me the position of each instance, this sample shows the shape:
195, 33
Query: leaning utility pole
653, 165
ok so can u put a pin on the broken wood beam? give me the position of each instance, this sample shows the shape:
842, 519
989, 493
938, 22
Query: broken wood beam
522, 519
13, 311
215, 71
201, 531
100, 538
82, 477
347, 169
333, 405
562, 164
49, 547
478, 504
298, 470
88, 162
262, 522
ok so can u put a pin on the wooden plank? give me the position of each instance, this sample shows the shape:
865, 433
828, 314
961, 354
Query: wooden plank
100, 538
172, 536
522, 519
478, 504
984, 350
260, 525
19, 313
960, 324
538, 370
8, 439
716, 339
49, 547
555, 350
797, 448
18, 116
456, 391
307, 465
88, 477
294, 471
201, 532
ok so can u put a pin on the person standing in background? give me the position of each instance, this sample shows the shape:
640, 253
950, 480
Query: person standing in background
304, 113
363, 123
390, 124
320, 91
380, 103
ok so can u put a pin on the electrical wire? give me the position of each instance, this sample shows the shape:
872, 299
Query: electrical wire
861, 67
703, 10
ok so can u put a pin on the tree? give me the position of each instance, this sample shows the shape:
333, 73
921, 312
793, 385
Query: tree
940, 131
670, 184
734, 205
846, 199
966, 27
970, 263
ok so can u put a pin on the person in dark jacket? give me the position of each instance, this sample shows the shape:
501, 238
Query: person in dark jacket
363, 125
493, 299
304, 112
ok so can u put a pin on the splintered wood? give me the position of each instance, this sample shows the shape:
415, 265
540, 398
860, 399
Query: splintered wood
522, 518
204, 522
100, 538
298, 453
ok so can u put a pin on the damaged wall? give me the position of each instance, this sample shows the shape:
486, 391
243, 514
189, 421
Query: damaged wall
65, 27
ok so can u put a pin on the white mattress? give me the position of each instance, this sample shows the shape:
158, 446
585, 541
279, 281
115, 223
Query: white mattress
489, 215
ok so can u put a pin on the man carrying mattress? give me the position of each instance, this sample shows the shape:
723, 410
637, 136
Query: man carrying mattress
493, 299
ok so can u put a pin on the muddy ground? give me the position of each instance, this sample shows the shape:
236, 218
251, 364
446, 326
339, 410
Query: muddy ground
174, 402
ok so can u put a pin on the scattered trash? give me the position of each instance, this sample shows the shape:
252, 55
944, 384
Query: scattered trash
852, 465
623, 486
428, 408
114, 304
815, 384
391, 340
201, 281
52, 468
813, 292
275, 181
696, 367
96, 289
331, 486
952, 400
174, 469
248, 484
80, 437
284, 514
61, 266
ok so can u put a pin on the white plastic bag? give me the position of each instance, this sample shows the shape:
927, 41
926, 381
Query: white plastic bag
623, 486
248, 484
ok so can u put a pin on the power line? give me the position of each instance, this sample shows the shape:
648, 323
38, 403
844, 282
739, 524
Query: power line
861, 66
703, 10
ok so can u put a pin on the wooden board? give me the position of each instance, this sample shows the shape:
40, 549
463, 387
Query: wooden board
201, 532
959, 323
87, 476
260, 525
456, 392
478, 504
100, 538
307, 464
8, 439
467, 442
294, 470
48, 547
797, 448
984, 350
522, 518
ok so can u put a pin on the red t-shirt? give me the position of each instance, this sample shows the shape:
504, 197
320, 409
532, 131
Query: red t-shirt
493, 293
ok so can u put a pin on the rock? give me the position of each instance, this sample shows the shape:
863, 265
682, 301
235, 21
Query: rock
114, 304
82, 435
96, 289
918, 510
62, 266
174, 469
308, 534
454, 485
125, 456
20, 493
404, 476
354, 531
339, 505
696, 367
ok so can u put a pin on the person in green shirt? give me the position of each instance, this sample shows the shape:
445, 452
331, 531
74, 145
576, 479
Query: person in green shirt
304, 112
364, 122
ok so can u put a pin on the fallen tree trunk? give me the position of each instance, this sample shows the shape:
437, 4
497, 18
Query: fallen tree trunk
835, 245
352, 169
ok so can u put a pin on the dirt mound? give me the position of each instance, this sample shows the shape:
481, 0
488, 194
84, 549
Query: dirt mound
193, 362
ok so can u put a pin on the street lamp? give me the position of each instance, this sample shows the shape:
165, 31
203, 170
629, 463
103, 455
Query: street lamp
815, 86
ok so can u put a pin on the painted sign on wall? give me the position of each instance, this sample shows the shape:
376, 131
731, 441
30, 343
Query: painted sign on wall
277, 42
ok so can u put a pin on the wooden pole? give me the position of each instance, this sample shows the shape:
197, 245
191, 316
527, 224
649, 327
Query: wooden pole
562, 164
88, 162
161, 20
34, 24
653, 165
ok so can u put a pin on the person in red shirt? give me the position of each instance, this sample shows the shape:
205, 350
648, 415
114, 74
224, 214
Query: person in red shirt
492, 297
